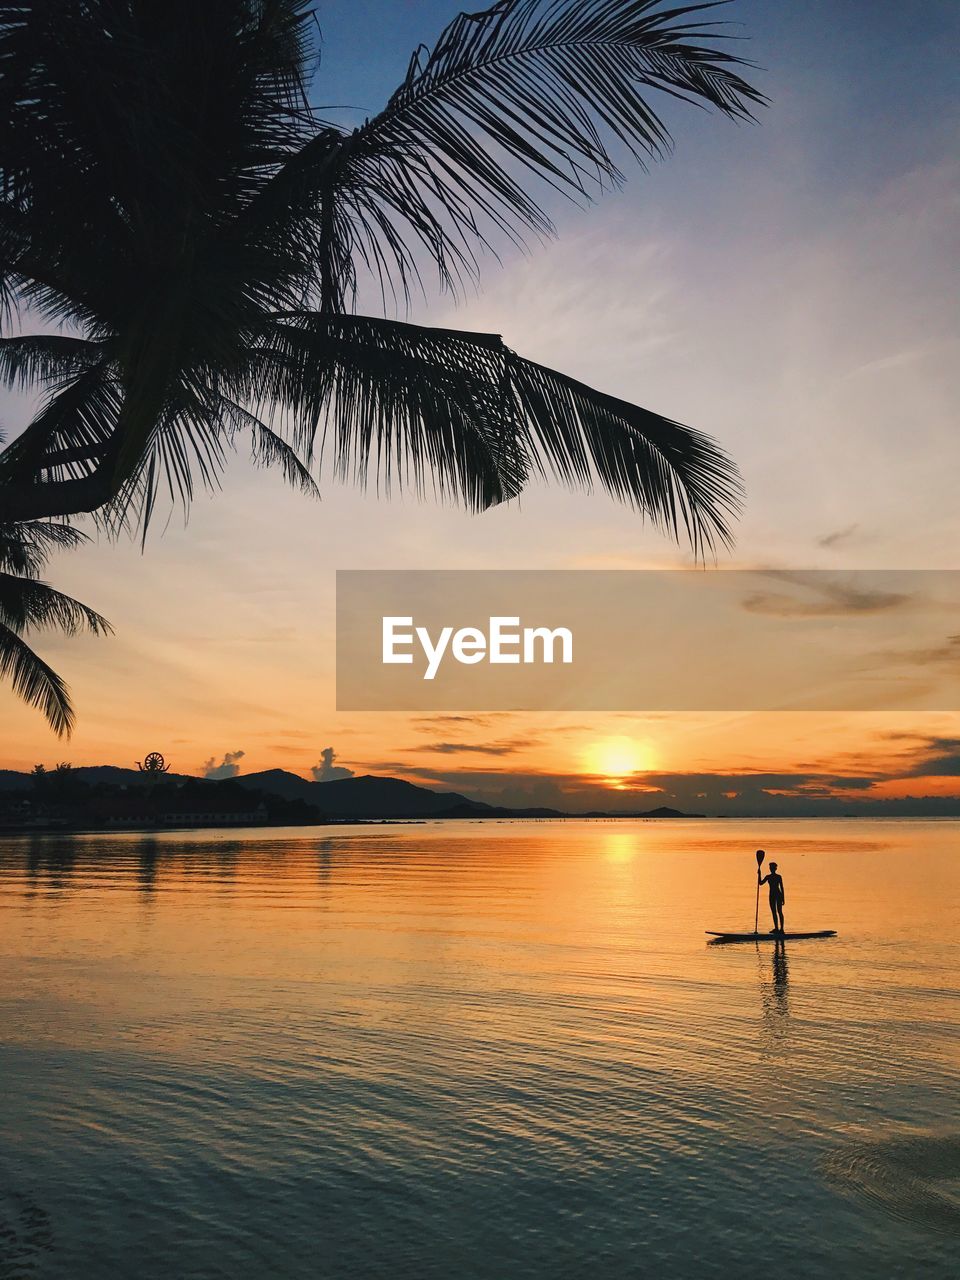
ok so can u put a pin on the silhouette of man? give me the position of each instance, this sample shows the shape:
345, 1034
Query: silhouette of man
777, 898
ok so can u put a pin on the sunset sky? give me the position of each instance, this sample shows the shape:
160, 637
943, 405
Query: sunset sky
789, 288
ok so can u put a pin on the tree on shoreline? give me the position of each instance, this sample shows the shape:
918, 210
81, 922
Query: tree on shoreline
170, 200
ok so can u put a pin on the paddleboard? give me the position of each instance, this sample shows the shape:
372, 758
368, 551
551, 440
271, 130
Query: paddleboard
769, 937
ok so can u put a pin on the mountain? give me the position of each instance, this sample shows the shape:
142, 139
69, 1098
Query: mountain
662, 812
368, 796
279, 782
111, 774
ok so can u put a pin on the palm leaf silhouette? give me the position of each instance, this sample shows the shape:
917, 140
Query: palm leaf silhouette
169, 199
27, 604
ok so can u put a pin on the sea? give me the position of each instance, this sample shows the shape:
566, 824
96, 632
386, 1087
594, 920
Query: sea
482, 1050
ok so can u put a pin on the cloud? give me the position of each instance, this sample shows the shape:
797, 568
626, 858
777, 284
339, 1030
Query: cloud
946, 654
326, 770
831, 540
478, 749
830, 599
437, 722
227, 768
736, 793
856, 784
936, 757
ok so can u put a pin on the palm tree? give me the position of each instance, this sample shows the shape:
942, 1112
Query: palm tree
170, 201
28, 604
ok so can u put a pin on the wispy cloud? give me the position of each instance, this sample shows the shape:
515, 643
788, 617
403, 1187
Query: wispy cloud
946, 654
838, 537
825, 598
439, 722
480, 748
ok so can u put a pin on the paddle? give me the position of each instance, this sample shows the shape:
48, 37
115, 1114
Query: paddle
756, 919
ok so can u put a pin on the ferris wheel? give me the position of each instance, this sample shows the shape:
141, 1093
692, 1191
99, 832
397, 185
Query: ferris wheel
153, 763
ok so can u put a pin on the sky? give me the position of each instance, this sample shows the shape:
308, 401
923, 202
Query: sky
789, 287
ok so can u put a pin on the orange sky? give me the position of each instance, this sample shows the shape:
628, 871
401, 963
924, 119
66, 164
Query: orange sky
743, 287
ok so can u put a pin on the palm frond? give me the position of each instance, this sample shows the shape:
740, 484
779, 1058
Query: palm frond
35, 682
281, 42
680, 479
404, 401
405, 404
77, 436
185, 447
541, 88
28, 604
198, 426
267, 447
48, 359
25, 547
85, 429
70, 433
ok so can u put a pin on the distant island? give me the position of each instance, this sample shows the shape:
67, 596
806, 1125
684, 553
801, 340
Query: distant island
105, 797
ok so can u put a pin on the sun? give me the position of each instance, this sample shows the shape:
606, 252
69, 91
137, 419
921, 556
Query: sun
617, 759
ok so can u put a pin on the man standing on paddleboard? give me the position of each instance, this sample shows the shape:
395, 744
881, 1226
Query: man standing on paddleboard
777, 896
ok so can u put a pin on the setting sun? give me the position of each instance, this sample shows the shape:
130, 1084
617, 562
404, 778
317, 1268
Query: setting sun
618, 758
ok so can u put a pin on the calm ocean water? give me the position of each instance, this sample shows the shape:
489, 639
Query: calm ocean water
497, 1050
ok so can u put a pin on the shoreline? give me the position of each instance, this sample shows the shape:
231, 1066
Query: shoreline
401, 821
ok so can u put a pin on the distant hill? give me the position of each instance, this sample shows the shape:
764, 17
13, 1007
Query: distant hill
368, 796
662, 812
279, 782
112, 775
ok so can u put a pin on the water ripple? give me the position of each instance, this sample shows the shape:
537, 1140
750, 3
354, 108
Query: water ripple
477, 1051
